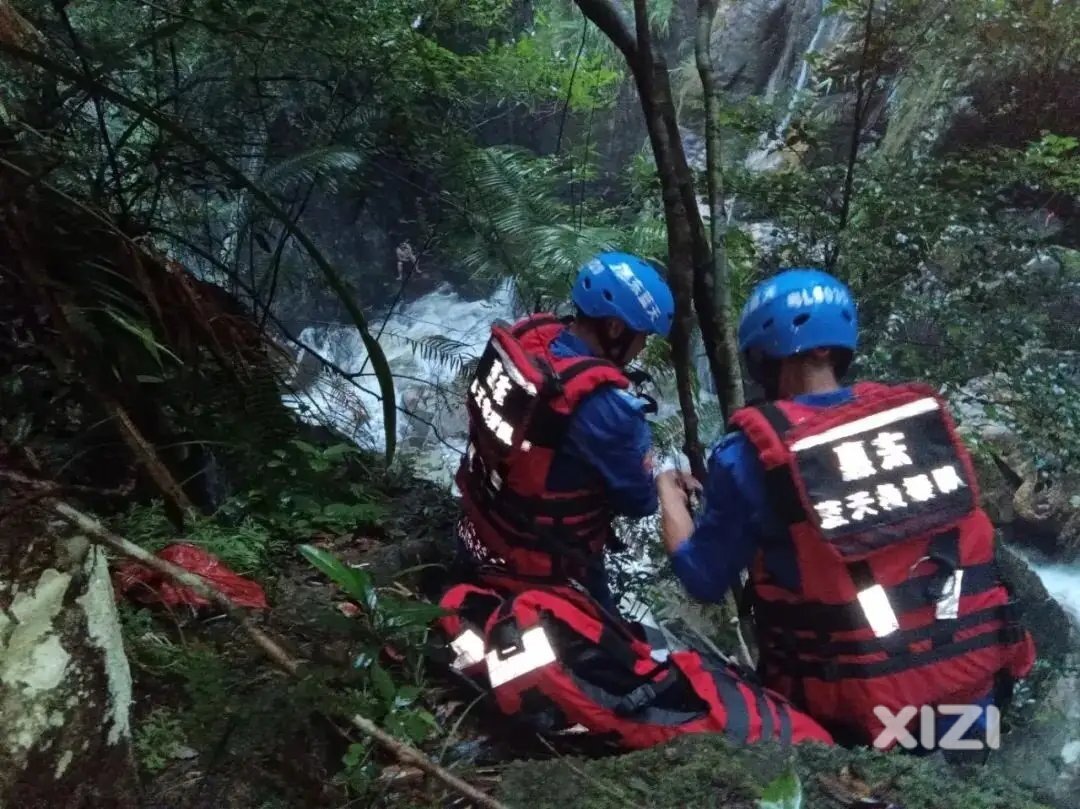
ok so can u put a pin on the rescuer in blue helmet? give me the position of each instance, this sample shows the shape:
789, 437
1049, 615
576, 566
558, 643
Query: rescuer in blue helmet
853, 508
589, 456
797, 335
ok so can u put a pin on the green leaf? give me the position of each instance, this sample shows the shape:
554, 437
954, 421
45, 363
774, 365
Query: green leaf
355, 583
783, 793
340, 511
418, 725
354, 755
406, 696
398, 614
384, 685
339, 451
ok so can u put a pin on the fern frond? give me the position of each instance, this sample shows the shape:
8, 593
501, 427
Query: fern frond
326, 164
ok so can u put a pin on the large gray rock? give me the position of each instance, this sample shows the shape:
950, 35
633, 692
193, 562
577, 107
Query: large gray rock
759, 44
65, 685
1035, 510
1043, 746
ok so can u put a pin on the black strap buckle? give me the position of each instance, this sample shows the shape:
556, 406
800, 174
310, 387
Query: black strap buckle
641, 697
506, 638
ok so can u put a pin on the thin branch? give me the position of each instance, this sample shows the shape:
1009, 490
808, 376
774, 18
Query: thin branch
570, 84
856, 134
279, 657
60, 6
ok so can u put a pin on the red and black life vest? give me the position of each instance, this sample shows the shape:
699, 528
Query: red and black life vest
553, 658
899, 601
519, 403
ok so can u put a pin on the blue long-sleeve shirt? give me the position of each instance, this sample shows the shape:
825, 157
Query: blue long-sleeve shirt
608, 438
737, 521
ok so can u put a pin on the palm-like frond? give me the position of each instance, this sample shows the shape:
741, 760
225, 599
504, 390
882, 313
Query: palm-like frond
438, 348
327, 165
518, 225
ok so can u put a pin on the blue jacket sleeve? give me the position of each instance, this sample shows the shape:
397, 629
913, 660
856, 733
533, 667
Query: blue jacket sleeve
726, 534
608, 431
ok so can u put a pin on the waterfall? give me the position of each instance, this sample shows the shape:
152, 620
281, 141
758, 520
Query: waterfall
766, 157
426, 342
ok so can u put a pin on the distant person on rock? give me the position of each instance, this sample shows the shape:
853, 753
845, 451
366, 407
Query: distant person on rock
558, 445
406, 256
872, 577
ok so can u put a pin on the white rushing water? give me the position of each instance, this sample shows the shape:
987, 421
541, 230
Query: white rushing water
1062, 582
426, 342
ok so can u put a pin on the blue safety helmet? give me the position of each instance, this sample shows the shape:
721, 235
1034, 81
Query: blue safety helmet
628, 288
795, 311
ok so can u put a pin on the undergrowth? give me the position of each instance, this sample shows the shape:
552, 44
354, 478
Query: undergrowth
216, 698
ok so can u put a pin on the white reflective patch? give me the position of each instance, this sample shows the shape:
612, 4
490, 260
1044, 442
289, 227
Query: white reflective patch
890, 497
876, 421
512, 370
948, 606
535, 653
861, 505
832, 514
660, 655
878, 611
573, 731
892, 450
919, 488
470, 650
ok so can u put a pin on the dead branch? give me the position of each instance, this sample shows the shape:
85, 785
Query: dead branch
400, 750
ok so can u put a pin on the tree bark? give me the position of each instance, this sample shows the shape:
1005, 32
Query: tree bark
654, 89
729, 387
696, 286
65, 685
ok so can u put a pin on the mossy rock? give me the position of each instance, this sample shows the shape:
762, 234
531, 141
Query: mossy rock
705, 771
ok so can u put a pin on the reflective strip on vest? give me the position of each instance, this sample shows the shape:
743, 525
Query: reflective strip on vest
507, 366
878, 611
862, 425
470, 650
948, 606
882, 618
536, 652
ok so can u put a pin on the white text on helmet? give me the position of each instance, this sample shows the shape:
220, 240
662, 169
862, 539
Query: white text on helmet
817, 295
759, 298
644, 297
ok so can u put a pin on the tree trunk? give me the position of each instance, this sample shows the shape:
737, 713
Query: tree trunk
654, 89
729, 387
696, 287
65, 686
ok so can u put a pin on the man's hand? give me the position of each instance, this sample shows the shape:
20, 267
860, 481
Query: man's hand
676, 483
673, 487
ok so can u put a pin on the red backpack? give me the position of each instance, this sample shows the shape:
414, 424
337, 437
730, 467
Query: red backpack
555, 659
